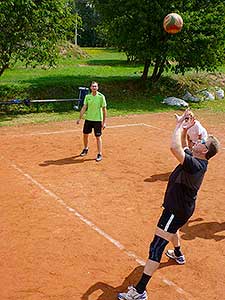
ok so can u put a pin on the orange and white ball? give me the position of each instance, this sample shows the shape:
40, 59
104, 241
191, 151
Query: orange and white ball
172, 23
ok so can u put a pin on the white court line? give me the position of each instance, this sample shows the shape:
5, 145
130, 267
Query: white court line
155, 127
75, 130
120, 246
79, 130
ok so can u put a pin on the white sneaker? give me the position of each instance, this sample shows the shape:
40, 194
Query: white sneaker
84, 152
132, 294
99, 157
179, 259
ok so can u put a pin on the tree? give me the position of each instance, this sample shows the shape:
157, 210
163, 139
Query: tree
30, 29
87, 30
89, 35
135, 27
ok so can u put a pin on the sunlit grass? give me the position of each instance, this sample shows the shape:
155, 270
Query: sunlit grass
118, 79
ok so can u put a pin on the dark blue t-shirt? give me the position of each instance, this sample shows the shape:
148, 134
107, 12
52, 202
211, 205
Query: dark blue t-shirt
183, 185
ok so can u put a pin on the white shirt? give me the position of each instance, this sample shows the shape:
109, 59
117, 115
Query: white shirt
197, 130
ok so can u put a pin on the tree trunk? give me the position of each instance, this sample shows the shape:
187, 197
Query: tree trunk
146, 68
158, 69
155, 70
161, 69
3, 68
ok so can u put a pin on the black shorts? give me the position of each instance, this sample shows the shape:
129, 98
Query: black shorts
169, 222
88, 125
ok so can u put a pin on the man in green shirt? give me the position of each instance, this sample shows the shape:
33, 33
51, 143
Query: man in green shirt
95, 117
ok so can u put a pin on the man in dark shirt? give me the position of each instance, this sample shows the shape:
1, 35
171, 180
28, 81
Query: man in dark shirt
179, 201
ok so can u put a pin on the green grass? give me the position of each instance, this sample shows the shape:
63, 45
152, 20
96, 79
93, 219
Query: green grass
119, 81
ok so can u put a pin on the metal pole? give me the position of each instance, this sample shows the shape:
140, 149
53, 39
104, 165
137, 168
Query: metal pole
75, 40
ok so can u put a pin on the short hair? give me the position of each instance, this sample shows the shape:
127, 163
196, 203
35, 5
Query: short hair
213, 146
93, 82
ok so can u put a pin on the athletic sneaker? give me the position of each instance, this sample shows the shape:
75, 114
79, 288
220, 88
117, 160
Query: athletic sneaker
84, 152
132, 294
99, 157
179, 259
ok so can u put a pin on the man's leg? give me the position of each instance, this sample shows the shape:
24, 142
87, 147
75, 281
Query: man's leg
99, 144
176, 239
98, 135
161, 239
166, 231
85, 140
87, 129
176, 254
99, 148
156, 249
170, 223
157, 246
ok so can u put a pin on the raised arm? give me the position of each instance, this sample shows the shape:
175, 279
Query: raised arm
179, 138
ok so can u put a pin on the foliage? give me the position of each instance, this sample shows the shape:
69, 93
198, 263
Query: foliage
89, 33
30, 29
67, 49
135, 27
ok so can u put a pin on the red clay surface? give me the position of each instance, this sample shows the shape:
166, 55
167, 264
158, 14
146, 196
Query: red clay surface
73, 229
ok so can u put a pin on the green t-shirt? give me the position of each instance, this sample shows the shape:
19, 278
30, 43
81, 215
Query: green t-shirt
94, 106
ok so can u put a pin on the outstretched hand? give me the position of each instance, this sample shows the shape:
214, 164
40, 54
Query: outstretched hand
189, 123
185, 115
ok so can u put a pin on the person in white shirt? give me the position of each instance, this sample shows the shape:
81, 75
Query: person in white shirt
196, 132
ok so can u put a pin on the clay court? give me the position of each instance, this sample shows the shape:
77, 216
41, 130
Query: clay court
75, 229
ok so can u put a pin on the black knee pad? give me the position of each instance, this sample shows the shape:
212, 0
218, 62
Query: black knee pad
157, 247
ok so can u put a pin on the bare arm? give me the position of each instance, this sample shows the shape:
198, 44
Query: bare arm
176, 143
104, 110
184, 138
82, 111
179, 137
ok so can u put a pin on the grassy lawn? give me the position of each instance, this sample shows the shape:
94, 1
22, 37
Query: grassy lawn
119, 81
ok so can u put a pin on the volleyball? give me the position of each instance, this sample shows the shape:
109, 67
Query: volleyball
172, 23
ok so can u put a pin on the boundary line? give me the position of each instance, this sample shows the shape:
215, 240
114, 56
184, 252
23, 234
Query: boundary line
82, 218
76, 130
155, 127
79, 130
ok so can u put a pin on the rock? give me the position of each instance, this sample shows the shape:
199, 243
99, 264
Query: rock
189, 97
173, 101
219, 93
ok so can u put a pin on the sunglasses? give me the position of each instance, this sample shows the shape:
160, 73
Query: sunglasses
204, 143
